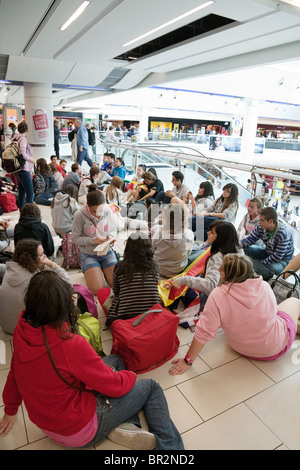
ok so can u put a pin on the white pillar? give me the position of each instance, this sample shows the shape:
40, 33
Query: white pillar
39, 118
249, 133
143, 129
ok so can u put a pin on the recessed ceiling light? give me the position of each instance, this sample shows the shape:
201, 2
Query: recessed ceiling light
75, 15
184, 15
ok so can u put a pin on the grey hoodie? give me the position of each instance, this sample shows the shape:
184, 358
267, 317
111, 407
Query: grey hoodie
62, 213
86, 228
12, 290
171, 252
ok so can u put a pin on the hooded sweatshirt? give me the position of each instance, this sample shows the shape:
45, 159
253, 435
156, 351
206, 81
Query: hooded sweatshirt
51, 403
12, 290
171, 252
63, 212
248, 316
31, 226
86, 228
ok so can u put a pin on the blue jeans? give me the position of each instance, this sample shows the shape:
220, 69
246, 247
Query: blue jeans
25, 188
256, 254
44, 198
146, 395
83, 155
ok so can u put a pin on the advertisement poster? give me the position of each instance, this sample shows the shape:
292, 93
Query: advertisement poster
11, 115
41, 124
232, 144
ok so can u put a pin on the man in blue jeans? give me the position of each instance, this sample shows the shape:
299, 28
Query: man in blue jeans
279, 245
82, 143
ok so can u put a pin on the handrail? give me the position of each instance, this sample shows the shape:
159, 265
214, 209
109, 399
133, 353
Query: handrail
202, 158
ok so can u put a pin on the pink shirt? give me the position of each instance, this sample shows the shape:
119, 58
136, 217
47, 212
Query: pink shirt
79, 439
26, 151
248, 316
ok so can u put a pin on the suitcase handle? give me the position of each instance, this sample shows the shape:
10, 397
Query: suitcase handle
139, 320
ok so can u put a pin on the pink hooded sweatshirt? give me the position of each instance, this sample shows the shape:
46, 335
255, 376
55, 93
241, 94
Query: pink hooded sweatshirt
248, 317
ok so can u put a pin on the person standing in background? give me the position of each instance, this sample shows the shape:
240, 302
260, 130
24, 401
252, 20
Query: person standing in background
25, 184
56, 138
82, 143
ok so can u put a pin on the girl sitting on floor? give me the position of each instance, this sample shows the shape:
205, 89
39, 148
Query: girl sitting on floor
172, 241
73, 395
245, 307
135, 280
224, 208
223, 239
93, 225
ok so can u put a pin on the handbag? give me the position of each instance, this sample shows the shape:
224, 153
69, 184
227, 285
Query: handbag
283, 289
71, 252
147, 341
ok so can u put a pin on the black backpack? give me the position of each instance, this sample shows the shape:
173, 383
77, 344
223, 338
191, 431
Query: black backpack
39, 184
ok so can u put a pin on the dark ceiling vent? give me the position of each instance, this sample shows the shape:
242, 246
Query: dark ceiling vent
189, 31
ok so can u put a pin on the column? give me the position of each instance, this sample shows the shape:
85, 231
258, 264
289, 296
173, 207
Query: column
143, 129
249, 132
39, 117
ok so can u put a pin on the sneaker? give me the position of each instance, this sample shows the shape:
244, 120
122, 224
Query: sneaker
129, 435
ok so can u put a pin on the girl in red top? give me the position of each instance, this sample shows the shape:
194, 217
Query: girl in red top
76, 397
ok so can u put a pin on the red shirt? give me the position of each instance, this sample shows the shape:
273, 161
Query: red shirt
52, 404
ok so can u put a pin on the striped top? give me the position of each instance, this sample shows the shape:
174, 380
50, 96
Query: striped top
279, 246
135, 298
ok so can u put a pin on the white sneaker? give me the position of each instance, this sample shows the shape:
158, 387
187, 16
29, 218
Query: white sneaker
129, 435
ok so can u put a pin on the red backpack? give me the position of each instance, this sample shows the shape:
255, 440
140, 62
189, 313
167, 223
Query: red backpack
8, 202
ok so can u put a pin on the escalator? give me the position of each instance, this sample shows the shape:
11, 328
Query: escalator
166, 158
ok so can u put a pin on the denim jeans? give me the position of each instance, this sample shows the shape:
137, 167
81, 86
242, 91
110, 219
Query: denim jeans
146, 395
256, 254
25, 188
200, 226
44, 199
83, 155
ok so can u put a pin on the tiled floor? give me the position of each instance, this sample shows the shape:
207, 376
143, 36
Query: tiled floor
224, 401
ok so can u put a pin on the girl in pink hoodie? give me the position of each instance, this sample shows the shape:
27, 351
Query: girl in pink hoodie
245, 307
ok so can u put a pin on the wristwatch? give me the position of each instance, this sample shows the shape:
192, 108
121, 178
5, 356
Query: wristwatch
188, 361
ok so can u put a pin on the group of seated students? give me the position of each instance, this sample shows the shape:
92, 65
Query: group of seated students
233, 293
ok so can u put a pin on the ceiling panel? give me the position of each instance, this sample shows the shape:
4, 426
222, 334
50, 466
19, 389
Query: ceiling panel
232, 40
37, 70
83, 55
121, 25
18, 19
60, 38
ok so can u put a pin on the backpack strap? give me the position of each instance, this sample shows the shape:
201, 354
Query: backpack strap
82, 387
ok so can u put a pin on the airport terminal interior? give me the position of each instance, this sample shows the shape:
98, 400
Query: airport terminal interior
211, 89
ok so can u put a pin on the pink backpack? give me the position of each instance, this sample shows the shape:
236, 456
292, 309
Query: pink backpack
88, 297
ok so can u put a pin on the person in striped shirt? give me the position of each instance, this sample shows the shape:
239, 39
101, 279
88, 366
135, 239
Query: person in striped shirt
135, 280
278, 241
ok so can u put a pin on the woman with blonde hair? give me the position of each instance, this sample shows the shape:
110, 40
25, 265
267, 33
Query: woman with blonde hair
245, 306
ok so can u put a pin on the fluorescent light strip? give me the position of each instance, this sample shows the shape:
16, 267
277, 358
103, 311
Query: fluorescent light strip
75, 15
190, 12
